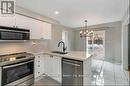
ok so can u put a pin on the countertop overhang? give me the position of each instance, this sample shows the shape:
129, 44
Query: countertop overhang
76, 55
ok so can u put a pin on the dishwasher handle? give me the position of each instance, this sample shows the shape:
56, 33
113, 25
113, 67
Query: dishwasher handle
70, 63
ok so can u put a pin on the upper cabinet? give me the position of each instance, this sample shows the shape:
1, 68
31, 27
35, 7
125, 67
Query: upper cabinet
46, 30
22, 21
7, 21
38, 29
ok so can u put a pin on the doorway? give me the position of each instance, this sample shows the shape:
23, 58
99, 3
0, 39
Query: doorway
96, 45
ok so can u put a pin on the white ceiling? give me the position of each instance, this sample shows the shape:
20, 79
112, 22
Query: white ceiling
74, 12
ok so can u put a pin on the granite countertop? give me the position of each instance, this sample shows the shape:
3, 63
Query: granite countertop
77, 55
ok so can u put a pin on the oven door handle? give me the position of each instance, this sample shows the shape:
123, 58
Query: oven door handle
4, 67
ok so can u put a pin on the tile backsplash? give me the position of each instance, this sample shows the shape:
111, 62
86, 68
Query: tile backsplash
24, 46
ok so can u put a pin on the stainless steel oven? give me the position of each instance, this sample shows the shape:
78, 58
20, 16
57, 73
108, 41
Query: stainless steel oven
21, 73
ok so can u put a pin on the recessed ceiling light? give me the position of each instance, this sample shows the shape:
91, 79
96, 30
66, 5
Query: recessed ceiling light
56, 12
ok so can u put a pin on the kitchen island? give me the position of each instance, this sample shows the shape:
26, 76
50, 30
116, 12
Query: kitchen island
51, 64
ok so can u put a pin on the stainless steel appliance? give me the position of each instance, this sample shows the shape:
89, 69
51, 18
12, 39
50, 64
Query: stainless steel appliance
72, 72
13, 33
17, 69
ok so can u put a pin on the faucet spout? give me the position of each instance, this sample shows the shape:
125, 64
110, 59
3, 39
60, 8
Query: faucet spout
61, 42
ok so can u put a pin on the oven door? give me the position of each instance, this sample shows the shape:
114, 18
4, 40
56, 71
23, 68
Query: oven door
14, 72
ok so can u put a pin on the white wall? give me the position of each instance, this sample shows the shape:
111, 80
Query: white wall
79, 43
125, 21
112, 40
57, 37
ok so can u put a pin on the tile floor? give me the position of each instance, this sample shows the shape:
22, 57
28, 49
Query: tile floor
103, 73
107, 73
46, 81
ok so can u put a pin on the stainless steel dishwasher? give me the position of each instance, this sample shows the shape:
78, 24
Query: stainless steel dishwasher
72, 71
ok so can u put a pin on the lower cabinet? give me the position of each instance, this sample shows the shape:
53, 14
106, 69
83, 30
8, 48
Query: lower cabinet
57, 73
48, 65
52, 65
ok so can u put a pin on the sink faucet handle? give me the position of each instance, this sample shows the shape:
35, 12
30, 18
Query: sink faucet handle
64, 49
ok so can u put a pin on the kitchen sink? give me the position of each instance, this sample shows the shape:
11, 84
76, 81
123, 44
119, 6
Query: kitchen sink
59, 52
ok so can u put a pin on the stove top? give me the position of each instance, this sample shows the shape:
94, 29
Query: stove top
16, 56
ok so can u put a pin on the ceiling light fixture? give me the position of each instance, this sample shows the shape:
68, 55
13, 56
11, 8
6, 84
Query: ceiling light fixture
85, 32
56, 12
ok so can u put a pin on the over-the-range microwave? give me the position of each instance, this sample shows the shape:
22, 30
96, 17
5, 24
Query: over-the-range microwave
14, 33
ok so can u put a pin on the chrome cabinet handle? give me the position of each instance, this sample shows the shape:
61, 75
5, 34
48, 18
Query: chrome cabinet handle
71, 63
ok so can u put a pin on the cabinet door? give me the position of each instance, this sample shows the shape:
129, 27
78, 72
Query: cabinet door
52, 67
23, 22
7, 21
46, 30
57, 75
48, 66
35, 29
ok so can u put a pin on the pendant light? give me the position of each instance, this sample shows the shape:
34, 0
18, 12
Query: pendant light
85, 32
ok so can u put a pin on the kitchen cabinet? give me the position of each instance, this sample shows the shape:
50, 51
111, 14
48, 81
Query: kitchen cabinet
57, 69
8, 21
46, 30
48, 65
38, 29
39, 66
22, 21
35, 29
52, 67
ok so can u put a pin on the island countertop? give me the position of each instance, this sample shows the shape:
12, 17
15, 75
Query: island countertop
77, 55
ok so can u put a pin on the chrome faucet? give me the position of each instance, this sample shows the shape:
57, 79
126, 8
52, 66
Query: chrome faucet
64, 48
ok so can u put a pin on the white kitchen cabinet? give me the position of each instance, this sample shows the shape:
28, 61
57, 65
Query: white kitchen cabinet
52, 67
33, 25
48, 65
46, 30
39, 66
22, 21
57, 69
35, 29
38, 29
7, 21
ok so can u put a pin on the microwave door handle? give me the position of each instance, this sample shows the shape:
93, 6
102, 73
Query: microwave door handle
71, 64
4, 67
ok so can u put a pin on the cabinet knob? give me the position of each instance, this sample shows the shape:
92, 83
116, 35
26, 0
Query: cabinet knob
38, 56
38, 65
38, 61
38, 72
